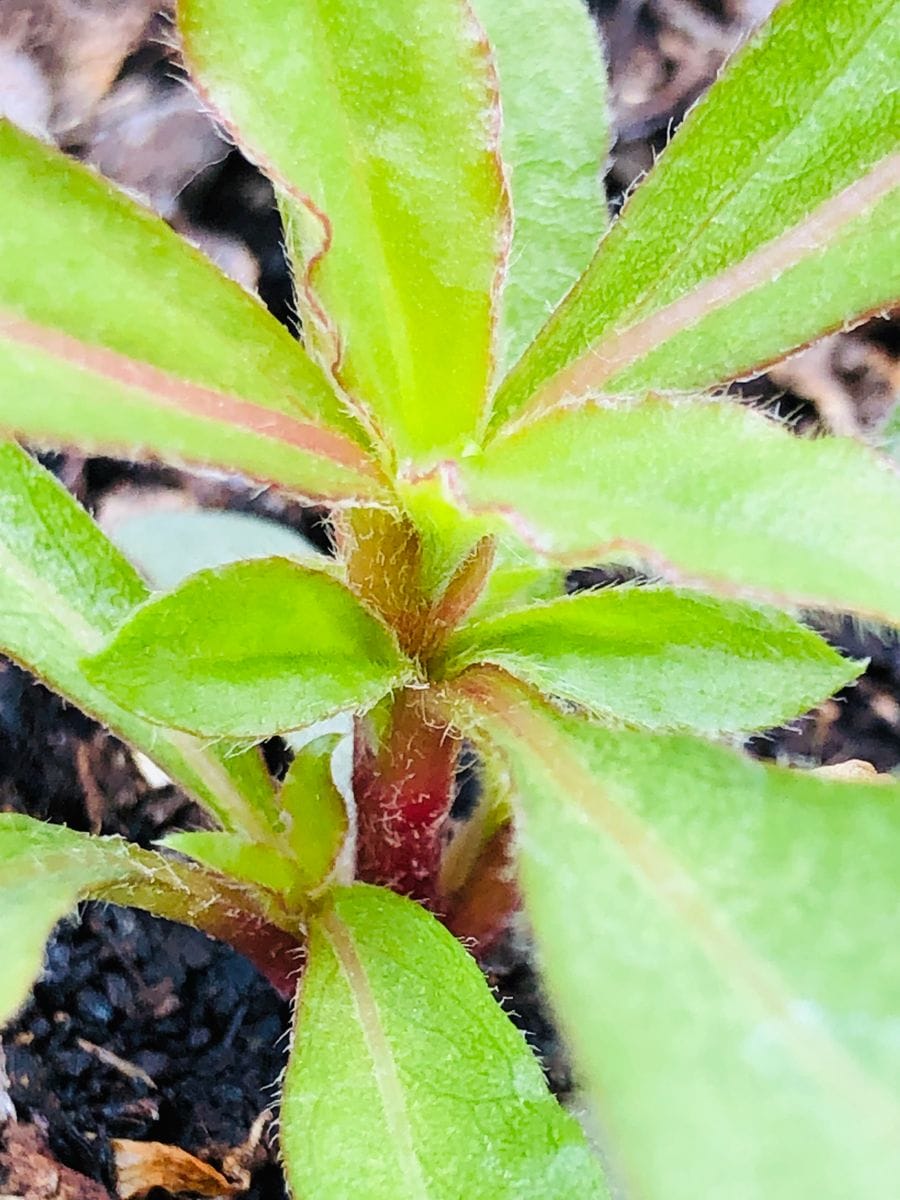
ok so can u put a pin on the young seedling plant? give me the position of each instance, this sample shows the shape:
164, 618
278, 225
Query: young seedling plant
493, 386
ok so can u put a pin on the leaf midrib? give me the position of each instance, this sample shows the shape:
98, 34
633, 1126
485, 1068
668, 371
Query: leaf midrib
842, 66
678, 894
387, 1079
191, 400
645, 301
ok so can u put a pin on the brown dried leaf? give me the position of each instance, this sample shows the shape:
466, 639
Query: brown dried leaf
151, 139
854, 770
69, 52
141, 1166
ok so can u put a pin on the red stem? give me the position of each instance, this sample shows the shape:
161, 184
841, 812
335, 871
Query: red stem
481, 911
277, 955
403, 790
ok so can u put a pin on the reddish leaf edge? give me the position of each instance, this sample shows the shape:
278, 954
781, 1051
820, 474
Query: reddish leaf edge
615, 350
204, 403
449, 475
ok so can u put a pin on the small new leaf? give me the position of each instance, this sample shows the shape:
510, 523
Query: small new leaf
314, 813
248, 650
232, 855
406, 1074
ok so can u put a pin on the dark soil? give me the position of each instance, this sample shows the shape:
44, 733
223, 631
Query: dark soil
200, 1030
198, 1035
145, 1030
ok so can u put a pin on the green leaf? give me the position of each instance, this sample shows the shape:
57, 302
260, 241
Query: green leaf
315, 812
515, 587
661, 658
518, 578
406, 1074
379, 127
719, 938
891, 433
167, 547
115, 335
232, 855
555, 141
310, 832
249, 650
64, 588
447, 536
769, 220
46, 869
706, 492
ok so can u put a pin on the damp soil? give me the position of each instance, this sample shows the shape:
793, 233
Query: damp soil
146, 1030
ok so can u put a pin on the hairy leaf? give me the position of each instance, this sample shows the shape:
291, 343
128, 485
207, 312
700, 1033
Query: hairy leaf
64, 588
406, 1074
308, 839
661, 658
769, 220
249, 650
232, 855
518, 578
379, 127
46, 869
447, 537
314, 811
718, 937
555, 141
513, 587
706, 492
116, 335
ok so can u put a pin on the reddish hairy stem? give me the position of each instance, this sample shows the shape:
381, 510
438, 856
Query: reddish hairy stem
403, 777
404, 790
482, 909
222, 910
276, 954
